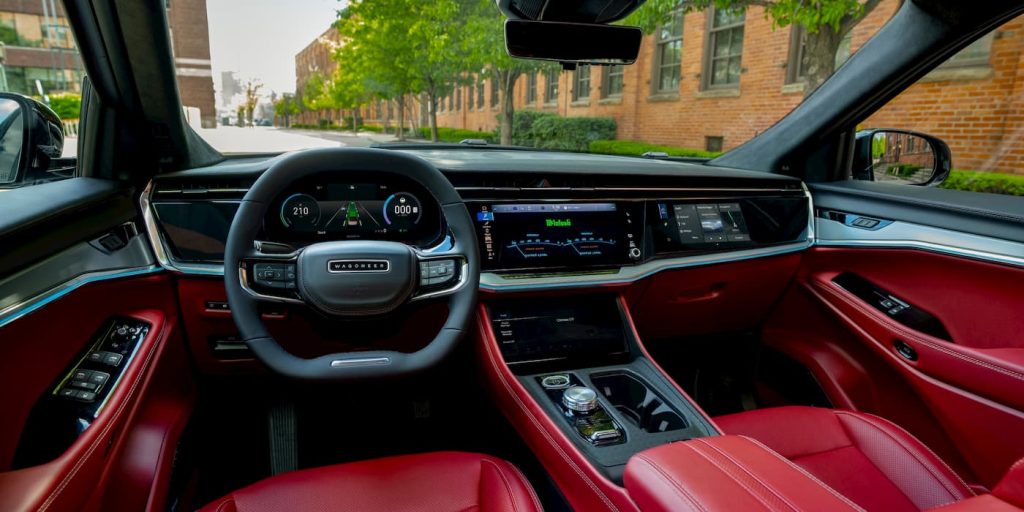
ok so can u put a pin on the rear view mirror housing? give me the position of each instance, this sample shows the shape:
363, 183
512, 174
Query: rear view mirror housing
901, 156
572, 43
31, 138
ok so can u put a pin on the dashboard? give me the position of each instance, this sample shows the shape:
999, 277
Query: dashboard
539, 218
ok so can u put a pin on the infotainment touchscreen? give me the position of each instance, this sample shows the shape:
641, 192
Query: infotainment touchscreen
546, 235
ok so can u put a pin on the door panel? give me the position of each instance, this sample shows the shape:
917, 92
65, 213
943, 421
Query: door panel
954, 259
42, 346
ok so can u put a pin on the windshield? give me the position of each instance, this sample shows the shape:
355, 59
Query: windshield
275, 76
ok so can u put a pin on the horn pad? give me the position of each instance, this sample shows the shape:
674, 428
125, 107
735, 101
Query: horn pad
356, 277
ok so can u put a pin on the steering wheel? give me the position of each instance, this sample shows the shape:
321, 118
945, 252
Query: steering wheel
350, 278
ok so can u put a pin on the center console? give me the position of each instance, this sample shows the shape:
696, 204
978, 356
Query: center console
579, 359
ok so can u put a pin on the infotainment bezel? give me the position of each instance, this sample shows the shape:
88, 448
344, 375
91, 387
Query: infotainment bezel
631, 230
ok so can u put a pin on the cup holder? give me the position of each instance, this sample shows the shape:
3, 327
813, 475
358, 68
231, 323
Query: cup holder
637, 402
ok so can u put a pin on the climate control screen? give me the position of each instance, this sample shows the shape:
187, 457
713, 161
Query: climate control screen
547, 235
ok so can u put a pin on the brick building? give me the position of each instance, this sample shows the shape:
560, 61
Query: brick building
316, 58
190, 39
39, 46
712, 82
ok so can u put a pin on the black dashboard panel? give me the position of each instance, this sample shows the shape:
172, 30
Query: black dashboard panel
536, 212
196, 230
708, 225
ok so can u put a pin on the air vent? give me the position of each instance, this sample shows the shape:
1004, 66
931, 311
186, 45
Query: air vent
202, 188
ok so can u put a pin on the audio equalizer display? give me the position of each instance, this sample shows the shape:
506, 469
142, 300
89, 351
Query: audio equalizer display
535, 235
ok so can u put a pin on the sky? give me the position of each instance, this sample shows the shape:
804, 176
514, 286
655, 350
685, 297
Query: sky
259, 38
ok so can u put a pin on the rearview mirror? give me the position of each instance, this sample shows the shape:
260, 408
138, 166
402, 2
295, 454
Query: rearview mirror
573, 43
900, 156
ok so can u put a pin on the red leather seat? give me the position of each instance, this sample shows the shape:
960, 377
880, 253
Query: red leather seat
871, 461
441, 481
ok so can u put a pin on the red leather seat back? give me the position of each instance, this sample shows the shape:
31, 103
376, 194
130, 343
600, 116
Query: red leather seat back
430, 482
875, 463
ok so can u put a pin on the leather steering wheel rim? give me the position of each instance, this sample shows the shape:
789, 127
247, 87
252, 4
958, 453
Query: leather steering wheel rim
247, 223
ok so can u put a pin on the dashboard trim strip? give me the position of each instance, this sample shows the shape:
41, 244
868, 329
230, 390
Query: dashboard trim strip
901, 234
25, 307
494, 282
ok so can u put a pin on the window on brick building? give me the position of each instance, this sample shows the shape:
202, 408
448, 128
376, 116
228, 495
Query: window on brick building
796, 66
668, 54
494, 93
581, 83
458, 99
470, 98
714, 143
975, 55
531, 88
480, 93
612, 81
723, 53
551, 86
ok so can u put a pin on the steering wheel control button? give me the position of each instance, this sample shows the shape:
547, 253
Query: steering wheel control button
560, 381
275, 275
579, 399
434, 272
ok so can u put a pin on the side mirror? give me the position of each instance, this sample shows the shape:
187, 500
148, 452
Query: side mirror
900, 156
31, 139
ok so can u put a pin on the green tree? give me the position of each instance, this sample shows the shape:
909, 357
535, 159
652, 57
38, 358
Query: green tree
377, 53
285, 107
252, 97
392, 49
825, 23
485, 47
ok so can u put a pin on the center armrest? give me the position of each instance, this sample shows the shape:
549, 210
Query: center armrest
724, 473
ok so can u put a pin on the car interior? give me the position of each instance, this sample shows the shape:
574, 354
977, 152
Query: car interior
454, 327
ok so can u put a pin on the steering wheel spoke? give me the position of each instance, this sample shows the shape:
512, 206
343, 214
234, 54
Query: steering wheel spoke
440, 274
268, 272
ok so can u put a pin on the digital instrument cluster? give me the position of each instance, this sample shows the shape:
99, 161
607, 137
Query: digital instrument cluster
339, 211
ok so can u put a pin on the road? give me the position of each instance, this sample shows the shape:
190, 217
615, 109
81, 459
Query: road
268, 139
263, 139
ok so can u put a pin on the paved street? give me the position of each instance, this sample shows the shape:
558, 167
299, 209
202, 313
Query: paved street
263, 139
267, 139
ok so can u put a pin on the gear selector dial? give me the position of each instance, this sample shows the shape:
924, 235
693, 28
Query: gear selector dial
579, 399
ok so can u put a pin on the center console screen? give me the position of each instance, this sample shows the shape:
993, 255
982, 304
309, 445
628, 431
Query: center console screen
550, 329
553, 235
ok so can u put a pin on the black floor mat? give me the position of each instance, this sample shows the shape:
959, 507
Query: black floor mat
733, 372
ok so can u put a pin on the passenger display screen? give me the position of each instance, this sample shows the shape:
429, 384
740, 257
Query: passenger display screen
706, 223
534, 235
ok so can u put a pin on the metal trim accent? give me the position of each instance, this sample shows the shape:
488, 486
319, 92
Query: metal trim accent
243, 280
386, 269
365, 361
160, 250
907, 235
495, 282
27, 306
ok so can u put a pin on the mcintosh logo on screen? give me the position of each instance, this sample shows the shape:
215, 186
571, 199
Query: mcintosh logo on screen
558, 223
